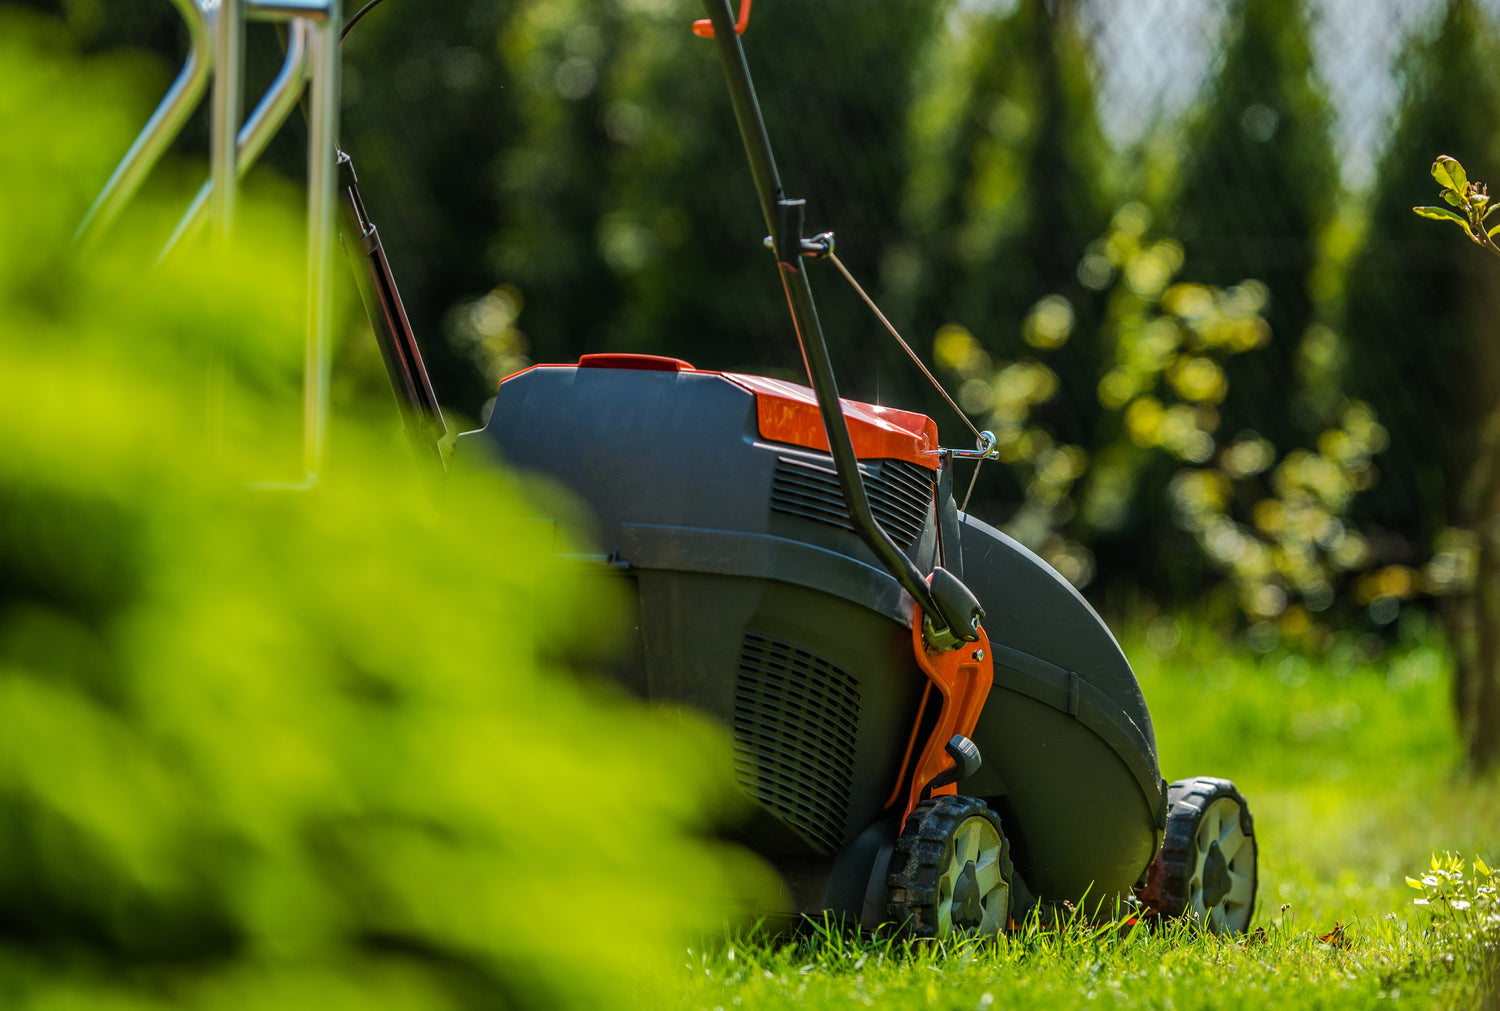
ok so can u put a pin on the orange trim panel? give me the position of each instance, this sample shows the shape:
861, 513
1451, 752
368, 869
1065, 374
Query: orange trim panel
788, 412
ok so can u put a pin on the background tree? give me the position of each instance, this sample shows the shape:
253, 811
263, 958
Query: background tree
1011, 179
1422, 348
1258, 186
666, 254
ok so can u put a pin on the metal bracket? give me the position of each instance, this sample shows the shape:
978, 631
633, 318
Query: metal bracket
815, 248
984, 449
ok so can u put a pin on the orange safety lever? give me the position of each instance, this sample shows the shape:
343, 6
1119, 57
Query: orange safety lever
963, 677
705, 28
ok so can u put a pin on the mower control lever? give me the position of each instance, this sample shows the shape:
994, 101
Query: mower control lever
966, 761
958, 610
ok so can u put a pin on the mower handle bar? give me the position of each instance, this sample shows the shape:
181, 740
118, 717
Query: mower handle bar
784, 223
274, 108
216, 31
163, 126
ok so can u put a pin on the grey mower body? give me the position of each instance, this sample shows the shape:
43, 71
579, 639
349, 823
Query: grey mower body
758, 604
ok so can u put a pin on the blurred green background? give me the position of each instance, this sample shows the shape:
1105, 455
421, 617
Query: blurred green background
1163, 249
289, 749
553, 177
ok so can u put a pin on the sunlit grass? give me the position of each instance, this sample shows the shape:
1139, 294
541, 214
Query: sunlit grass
1350, 768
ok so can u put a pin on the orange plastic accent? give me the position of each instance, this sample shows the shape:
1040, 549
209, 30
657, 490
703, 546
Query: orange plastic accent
640, 363
964, 682
704, 28
788, 412
911, 745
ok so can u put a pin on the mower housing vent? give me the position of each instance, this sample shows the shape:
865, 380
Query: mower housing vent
795, 720
900, 494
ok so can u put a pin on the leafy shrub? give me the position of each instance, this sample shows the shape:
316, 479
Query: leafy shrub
288, 748
1462, 907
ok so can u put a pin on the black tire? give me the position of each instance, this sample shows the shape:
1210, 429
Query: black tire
950, 870
1206, 867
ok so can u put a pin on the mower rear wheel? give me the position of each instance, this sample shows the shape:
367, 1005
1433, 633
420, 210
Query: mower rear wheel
950, 871
1206, 867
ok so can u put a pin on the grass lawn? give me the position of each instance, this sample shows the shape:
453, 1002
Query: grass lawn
1349, 767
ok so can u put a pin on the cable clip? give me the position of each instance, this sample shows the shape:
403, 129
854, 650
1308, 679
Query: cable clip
704, 28
818, 247
984, 449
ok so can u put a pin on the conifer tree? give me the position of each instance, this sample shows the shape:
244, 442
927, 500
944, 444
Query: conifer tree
1010, 182
1258, 183
1422, 343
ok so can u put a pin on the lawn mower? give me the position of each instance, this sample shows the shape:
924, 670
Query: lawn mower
933, 727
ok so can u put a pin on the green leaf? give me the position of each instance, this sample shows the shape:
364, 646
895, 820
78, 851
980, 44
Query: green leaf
1492, 231
1480, 865
1450, 174
1414, 883
1452, 199
1441, 214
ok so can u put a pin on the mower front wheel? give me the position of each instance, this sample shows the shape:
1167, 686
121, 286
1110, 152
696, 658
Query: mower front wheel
1206, 867
950, 871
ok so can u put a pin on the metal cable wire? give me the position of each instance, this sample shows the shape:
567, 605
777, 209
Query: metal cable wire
913, 355
972, 481
367, 8
901, 340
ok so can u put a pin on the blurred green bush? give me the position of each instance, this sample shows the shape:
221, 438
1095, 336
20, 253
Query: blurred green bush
287, 749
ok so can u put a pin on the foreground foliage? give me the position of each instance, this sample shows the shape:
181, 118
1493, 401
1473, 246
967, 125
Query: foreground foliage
277, 748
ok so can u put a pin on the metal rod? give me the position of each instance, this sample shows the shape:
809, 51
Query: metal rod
160, 129
322, 210
282, 10
279, 101
421, 415
228, 103
783, 217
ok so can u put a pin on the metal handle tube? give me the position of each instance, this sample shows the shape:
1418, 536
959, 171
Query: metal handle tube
159, 131
746, 111
279, 101
804, 312
281, 10
322, 210
228, 102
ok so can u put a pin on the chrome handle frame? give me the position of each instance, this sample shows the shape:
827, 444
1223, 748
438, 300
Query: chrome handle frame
274, 108
160, 130
322, 234
217, 32
228, 104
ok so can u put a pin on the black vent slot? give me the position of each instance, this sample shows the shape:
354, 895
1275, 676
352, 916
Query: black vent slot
900, 494
795, 717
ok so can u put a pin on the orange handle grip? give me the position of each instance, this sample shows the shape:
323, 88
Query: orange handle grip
704, 28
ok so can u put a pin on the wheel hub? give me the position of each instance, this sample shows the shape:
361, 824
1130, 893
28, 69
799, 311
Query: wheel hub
968, 909
1216, 880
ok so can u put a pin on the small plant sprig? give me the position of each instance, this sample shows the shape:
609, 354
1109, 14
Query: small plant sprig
1467, 907
1471, 198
